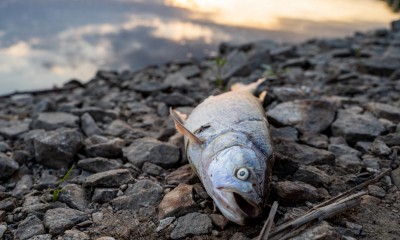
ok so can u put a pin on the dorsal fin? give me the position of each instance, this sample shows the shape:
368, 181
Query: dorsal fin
182, 129
247, 87
262, 96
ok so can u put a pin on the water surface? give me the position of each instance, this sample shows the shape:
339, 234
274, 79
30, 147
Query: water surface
47, 42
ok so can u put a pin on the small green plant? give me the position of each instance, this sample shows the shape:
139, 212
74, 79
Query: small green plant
220, 63
57, 190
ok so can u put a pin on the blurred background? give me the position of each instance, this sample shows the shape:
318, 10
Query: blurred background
44, 43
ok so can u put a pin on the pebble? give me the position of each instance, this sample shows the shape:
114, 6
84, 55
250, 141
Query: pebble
75, 235
54, 120
376, 191
7, 166
98, 164
219, 220
58, 220
29, 227
165, 223
379, 148
23, 186
319, 231
349, 163
192, 224
183, 174
312, 176
382, 110
178, 202
111, 178
295, 192
74, 196
104, 195
99, 146
89, 126
305, 154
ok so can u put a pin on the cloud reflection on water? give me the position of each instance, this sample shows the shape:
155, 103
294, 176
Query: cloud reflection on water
66, 40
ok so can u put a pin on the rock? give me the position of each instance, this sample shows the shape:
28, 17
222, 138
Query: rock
355, 228
239, 236
176, 99
119, 128
41, 237
380, 66
75, 235
4, 147
111, 178
58, 220
192, 224
98, 164
305, 154
285, 94
29, 227
152, 150
56, 149
7, 166
305, 115
23, 186
183, 174
29, 139
296, 62
395, 25
47, 180
98, 146
356, 127
97, 113
219, 220
177, 80
54, 120
315, 140
338, 140
3, 229
89, 126
8, 204
363, 146
236, 61
142, 194
178, 202
149, 87
14, 131
104, 195
376, 191
152, 169
349, 163
382, 110
22, 157
319, 231
371, 163
392, 139
313, 176
284, 133
395, 175
379, 148
295, 192
164, 223
341, 149
74, 196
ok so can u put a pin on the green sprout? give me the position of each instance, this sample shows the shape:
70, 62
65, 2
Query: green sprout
57, 190
220, 63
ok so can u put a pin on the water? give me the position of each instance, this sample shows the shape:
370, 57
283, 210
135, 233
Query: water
44, 43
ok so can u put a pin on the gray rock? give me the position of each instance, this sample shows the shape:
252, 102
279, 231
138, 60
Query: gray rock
305, 115
219, 220
118, 128
23, 186
29, 139
285, 133
22, 157
183, 174
54, 120
60, 219
395, 175
178, 202
74, 196
7, 166
149, 87
379, 148
8, 204
192, 224
3, 229
349, 163
380, 66
315, 140
98, 114
363, 146
338, 140
239, 236
177, 80
141, 194
98, 164
29, 227
41, 237
235, 62
356, 127
176, 99
320, 231
376, 191
164, 223
4, 147
56, 149
44, 105
371, 163
395, 25
313, 176
98, 146
382, 110
305, 154
111, 178
152, 169
14, 131
152, 150
89, 126
295, 192
104, 195
341, 149
285, 94
47, 180
75, 235
190, 71
392, 139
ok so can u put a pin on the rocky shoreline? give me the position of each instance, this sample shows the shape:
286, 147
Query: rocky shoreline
334, 109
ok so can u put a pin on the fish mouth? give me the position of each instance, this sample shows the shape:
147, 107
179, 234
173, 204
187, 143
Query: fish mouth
249, 208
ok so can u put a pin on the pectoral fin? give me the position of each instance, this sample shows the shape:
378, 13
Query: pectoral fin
182, 129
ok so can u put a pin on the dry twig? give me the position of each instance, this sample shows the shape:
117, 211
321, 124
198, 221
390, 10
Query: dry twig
268, 223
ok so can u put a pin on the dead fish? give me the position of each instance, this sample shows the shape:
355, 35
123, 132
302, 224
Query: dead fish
229, 146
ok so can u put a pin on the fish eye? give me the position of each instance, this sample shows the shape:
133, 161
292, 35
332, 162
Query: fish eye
242, 174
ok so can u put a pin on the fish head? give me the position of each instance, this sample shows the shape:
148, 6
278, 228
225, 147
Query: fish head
236, 180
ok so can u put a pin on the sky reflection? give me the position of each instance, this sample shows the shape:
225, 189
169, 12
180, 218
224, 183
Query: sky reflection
47, 42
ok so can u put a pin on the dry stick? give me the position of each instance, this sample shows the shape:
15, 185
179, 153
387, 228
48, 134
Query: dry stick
268, 223
320, 214
356, 188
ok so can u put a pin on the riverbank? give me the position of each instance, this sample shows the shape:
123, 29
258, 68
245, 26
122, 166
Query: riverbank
334, 110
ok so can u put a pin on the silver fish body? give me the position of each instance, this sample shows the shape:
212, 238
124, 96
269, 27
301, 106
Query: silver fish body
235, 158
